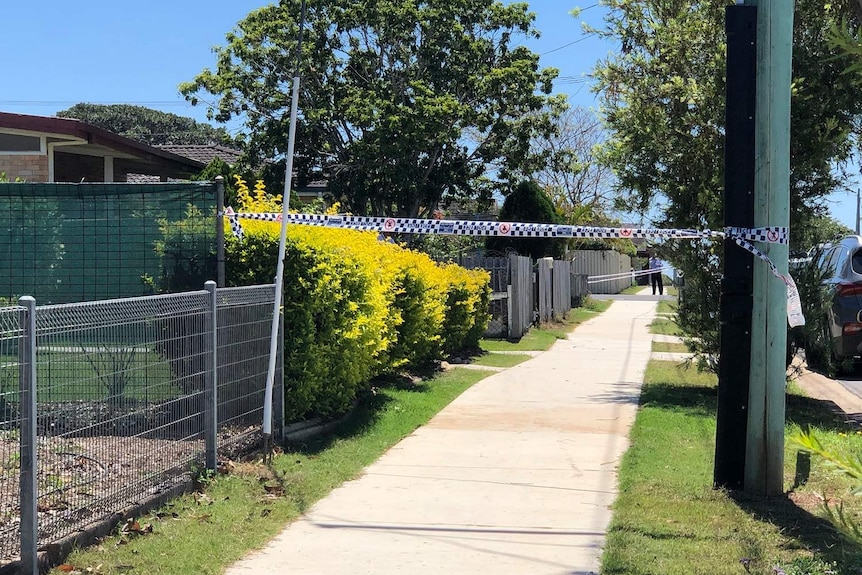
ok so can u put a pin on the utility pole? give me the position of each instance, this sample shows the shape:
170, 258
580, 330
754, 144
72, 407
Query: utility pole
764, 457
857, 212
736, 284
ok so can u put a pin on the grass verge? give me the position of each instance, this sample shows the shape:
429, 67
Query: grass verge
668, 520
663, 326
542, 337
666, 307
206, 531
491, 359
665, 346
633, 290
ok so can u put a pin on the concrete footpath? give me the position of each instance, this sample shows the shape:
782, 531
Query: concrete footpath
516, 476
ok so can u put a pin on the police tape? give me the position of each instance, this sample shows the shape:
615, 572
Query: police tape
741, 236
505, 229
625, 275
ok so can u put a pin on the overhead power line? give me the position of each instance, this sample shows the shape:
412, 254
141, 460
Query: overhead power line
581, 39
84, 101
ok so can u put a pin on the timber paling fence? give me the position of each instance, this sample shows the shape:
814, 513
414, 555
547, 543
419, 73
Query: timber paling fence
524, 292
603, 263
107, 405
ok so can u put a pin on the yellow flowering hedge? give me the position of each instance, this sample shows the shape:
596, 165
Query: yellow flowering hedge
355, 307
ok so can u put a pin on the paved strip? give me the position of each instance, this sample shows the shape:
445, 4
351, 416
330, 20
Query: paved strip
658, 337
672, 356
516, 476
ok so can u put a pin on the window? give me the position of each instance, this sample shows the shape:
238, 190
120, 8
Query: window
836, 259
20, 144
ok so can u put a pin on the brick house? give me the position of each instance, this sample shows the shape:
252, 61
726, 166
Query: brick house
49, 149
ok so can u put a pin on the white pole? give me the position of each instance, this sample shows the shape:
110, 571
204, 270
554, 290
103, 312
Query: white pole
857, 212
282, 242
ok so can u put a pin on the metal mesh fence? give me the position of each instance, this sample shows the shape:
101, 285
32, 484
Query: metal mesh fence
498, 325
119, 404
245, 321
66, 243
10, 426
121, 400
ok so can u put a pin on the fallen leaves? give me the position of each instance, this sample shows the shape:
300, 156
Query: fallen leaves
274, 489
72, 570
131, 529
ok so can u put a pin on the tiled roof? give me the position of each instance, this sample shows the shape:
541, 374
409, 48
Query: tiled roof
205, 154
148, 179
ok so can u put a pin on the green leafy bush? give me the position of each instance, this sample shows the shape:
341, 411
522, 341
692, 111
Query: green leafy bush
355, 307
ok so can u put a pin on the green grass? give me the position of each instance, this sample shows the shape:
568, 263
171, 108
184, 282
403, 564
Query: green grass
238, 512
666, 306
633, 290
664, 326
95, 375
664, 346
668, 519
543, 337
492, 359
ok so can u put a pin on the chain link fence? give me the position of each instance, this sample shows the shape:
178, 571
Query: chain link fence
125, 406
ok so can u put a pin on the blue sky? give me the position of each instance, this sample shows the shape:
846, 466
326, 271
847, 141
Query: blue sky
54, 54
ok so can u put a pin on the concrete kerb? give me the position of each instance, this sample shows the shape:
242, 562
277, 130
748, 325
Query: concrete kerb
516, 475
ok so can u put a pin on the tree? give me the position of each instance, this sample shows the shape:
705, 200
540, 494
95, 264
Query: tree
146, 125
663, 99
403, 103
528, 203
579, 185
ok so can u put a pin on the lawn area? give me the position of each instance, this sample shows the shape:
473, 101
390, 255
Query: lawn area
632, 290
664, 326
94, 375
665, 346
496, 359
234, 513
543, 337
668, 520
666, 307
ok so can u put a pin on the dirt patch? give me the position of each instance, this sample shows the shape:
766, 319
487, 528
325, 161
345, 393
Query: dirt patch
84, 480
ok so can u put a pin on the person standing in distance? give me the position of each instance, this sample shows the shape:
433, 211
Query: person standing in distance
655, 275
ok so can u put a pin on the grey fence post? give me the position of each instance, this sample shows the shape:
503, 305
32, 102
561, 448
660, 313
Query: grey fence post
211, 395
27, 397
220, 257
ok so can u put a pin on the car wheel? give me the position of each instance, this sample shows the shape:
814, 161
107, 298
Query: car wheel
832, 360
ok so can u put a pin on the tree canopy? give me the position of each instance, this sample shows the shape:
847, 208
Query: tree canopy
402, 103
579, 185
528, 203
146, 125
663, 100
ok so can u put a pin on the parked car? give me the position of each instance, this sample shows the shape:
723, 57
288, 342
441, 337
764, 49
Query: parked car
842, 265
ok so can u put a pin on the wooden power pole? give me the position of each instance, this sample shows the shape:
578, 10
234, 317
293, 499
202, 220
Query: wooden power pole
736, 284
764, 450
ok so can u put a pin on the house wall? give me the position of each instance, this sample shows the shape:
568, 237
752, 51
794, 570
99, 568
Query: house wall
32, 168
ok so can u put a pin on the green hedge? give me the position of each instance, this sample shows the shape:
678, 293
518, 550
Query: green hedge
356, 307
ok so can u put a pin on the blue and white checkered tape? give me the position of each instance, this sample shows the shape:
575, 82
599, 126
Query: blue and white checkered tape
742, 236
